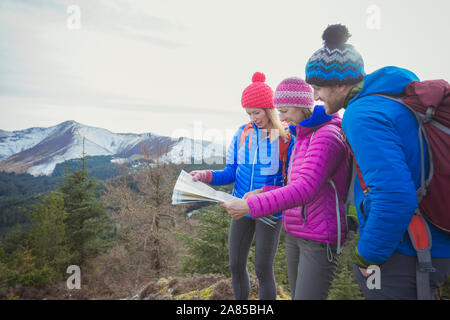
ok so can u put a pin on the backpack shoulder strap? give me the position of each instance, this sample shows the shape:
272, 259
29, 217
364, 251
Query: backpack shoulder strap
283, 147
356, 170
419, 233
424, 182
248, 130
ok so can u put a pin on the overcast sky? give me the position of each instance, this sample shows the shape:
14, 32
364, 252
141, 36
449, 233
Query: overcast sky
171, 67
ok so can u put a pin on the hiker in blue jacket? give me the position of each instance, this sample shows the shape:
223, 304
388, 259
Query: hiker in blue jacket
384, 139
257, 156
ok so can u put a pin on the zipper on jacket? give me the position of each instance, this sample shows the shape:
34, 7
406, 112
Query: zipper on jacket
304, 207
253, 165
291, 161
304, 216
338, 216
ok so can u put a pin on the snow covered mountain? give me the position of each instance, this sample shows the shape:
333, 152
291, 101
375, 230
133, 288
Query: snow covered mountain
38, 150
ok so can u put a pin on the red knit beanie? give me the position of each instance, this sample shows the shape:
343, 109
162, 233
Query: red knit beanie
258, 94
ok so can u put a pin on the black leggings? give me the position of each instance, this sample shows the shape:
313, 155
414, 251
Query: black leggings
240, 240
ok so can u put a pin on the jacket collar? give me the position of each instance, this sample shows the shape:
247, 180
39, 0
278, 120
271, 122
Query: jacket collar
318, 118
357, 88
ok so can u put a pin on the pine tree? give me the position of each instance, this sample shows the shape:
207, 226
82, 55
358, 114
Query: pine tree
344, 286
3, 267
40, 256
209, 250
88, 225
443, 293
21, 267
14, 238
48, 239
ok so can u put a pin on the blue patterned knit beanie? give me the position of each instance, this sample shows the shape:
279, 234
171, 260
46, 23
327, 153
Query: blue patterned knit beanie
337, 62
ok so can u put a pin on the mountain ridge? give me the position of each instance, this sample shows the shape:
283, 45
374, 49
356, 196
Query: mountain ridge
38, 150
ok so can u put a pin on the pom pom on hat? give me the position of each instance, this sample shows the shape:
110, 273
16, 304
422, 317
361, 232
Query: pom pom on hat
258, 77
335, 35
258, 94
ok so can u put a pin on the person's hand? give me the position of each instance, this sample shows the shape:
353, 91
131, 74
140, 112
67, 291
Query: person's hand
365, 272
362, 263
251, 193
201, 175
237, 208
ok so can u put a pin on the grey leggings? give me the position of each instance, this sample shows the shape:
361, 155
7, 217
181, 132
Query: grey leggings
240, 240
398, 278
311, 266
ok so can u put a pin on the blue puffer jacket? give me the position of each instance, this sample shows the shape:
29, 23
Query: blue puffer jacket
383, 136
251, 167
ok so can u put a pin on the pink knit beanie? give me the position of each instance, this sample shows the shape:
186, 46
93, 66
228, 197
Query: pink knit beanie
258, 94
293, 92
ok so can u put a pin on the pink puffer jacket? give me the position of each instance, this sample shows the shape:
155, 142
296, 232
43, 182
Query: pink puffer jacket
308, 201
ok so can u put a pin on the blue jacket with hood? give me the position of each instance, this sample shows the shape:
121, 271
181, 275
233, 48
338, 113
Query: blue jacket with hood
253, 164
384, 139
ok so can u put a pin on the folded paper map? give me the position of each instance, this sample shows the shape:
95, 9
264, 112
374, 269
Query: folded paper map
187, 190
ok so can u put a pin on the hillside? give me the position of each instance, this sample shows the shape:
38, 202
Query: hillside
157, 251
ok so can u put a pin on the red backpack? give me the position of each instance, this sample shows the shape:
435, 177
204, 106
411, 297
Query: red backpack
429, 101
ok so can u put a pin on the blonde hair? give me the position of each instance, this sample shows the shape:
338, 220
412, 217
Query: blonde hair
276, 124
307, 112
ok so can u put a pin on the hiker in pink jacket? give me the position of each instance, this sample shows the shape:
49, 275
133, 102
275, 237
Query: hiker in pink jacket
313, 199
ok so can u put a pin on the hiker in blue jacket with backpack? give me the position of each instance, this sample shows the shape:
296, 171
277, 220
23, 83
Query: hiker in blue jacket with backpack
383, 136
258, 155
